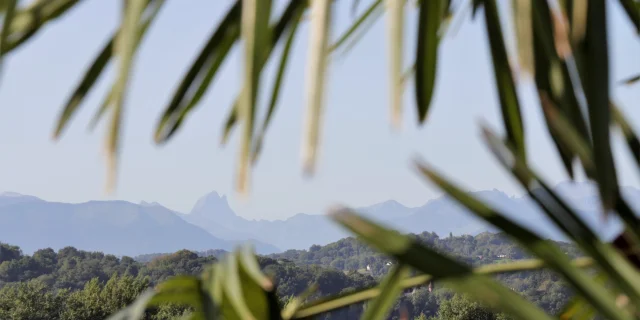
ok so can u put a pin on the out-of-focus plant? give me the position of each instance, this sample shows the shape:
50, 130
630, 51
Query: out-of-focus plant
563, 44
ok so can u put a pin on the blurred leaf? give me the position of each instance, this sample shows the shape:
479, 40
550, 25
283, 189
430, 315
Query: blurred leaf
124, 48
627, 131
367, 16
275, 94
173, 124
395, 27
248, 263
90, 77
545, 58
294, 305
576, 144
136, 310
577, 12
612, 263
353, 40
9, 13
213, 53
233, 286
255, 33
510, 106
632, 8
390, 290
543, 249
253, 284
522, 16
553, 81
567, 134
26, 22
106, 102
458, 276
316, 73
579, 309
95, 71
631, 80
597, 94
232, 118
322, 305
427, 54
354, 7
629, 248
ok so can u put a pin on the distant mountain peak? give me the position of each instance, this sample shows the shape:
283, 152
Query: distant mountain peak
213, 204
150, 204
386, 205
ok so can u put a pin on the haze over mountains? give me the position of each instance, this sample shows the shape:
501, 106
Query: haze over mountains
126, 228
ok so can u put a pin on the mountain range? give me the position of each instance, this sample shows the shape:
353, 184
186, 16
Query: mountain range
126, 228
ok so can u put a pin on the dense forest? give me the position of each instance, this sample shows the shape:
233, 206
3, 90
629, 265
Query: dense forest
75, 284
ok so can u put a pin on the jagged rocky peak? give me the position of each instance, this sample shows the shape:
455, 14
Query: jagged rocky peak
212, 204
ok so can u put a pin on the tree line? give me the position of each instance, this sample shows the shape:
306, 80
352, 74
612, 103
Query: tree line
76, 284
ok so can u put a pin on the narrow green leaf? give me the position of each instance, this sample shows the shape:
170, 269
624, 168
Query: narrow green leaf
632, 9
522, 15
390, 290
191, 298
577, 11
180, 282
358, 34
136, 310
611, 261
561, 128
579, 309
124, 48
10, 10
247, 259
567, 134
171, 125
427, 55
182, 105
28, 21
95, 71
511, 114
323, 305
395, 34
293, 306
106, 102
255, 34
232, 288
631, 80
354, 7
366, 16
232, 119
597, 94
194, 78
543, 249
275, 93
255, 285
546, 61
316, 73
424, 259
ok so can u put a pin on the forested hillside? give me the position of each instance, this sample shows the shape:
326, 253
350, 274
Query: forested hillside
74, 284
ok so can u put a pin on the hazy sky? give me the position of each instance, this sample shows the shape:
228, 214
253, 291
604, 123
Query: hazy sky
361, 160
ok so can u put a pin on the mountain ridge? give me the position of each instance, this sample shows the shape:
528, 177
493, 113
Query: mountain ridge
213, 214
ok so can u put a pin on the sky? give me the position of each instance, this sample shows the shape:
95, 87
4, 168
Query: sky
361, 160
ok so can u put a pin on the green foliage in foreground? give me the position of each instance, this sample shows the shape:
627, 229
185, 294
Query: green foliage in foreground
562, 44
